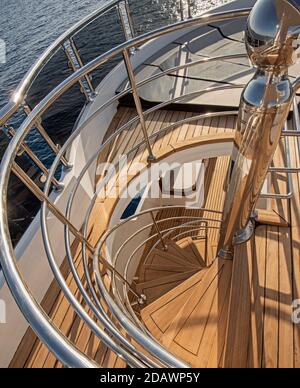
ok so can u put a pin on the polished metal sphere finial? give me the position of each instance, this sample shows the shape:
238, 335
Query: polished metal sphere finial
273, 34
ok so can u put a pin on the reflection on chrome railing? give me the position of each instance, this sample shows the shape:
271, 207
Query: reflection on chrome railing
157, 234
70, 52
136, 334
271, 31
25, 85
120, 331
58, 62
122, 7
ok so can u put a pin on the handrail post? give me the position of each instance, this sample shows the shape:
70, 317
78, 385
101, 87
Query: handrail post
58, 186
127, 25
89, 97
190, 4
181, 10
130, 18
138, 104
160, 236
111, 268
272, 30
47, 138
42, 197
130, 26
80, 63
123, 24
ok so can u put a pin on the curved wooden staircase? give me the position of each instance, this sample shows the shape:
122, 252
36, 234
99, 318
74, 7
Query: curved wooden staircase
165, 270
230, 313
187, 299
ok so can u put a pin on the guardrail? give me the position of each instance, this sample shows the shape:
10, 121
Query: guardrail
112, 336
157, 234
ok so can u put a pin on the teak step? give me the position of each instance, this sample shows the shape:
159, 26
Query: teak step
166, 269
209, 252
160, 257
157, 287
159, 271
157, 315
195, 248
183, 251
191, 319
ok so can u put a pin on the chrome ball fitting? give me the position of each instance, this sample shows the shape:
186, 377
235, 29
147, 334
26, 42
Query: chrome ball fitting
273, 34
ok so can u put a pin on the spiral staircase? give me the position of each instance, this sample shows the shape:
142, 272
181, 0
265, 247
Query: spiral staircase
150, 289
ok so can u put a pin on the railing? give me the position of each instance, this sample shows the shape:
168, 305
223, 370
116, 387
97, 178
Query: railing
153, 354
261, 116
19, 97
67, 45
158, 235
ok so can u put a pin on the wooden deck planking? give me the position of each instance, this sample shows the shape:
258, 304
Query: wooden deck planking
238, 328
271, 315
265, 281
31, 352
295, 242
255, 345
286, 342
258, 331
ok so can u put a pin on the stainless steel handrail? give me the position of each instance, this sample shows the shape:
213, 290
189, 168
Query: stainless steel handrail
223, 16
18, 97
144, 340
17, 100
93, 65
102, 184
296, 85
289, 170
165, 233
58, 156
59, 186
100, 313
108, 141
163, 130
189, 226
8, 258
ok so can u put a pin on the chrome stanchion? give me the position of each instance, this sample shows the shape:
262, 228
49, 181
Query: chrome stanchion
138, 104
272, 29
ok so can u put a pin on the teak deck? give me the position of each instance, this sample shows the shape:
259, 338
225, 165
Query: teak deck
255, 291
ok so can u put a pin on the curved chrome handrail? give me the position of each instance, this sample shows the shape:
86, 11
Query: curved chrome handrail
161, 238
189, 225
44, 328
22, 89
85, 169
69, 206
8, 255
296, 85
91, 160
